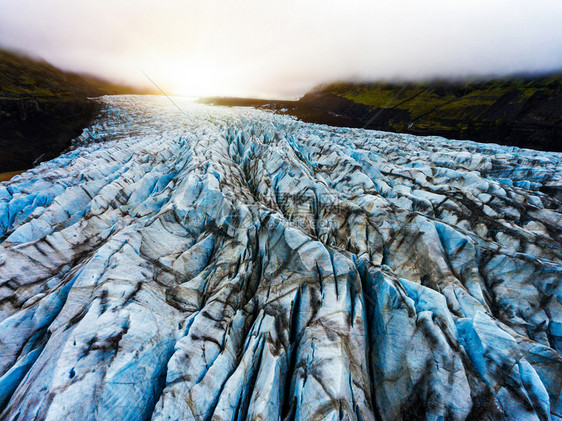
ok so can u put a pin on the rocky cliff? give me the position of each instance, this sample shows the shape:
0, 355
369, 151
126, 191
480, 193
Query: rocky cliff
233, 264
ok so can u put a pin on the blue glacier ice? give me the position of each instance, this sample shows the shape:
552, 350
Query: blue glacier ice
229, 263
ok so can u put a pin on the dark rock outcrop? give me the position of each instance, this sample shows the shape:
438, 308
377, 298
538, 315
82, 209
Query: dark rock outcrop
33, 130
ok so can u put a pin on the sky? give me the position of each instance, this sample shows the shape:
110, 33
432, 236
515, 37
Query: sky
282, 48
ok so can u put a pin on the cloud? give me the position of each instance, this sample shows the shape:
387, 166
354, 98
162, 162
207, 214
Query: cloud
285, 47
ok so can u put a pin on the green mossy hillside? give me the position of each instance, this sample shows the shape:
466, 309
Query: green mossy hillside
22, 76
449, 99
522, 111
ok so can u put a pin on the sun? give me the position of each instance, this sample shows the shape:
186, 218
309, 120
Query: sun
196, 79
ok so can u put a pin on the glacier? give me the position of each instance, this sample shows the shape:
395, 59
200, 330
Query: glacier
229, 263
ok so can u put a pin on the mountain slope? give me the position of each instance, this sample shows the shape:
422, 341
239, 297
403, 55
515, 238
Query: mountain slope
235, 264
24, 77
43, 108
517, 111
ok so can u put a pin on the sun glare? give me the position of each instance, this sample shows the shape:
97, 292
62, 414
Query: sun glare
195, 79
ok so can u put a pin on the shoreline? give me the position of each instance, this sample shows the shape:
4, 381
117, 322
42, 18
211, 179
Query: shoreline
8, 175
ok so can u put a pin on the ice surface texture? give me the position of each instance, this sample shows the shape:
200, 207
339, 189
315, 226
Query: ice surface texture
234, 264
